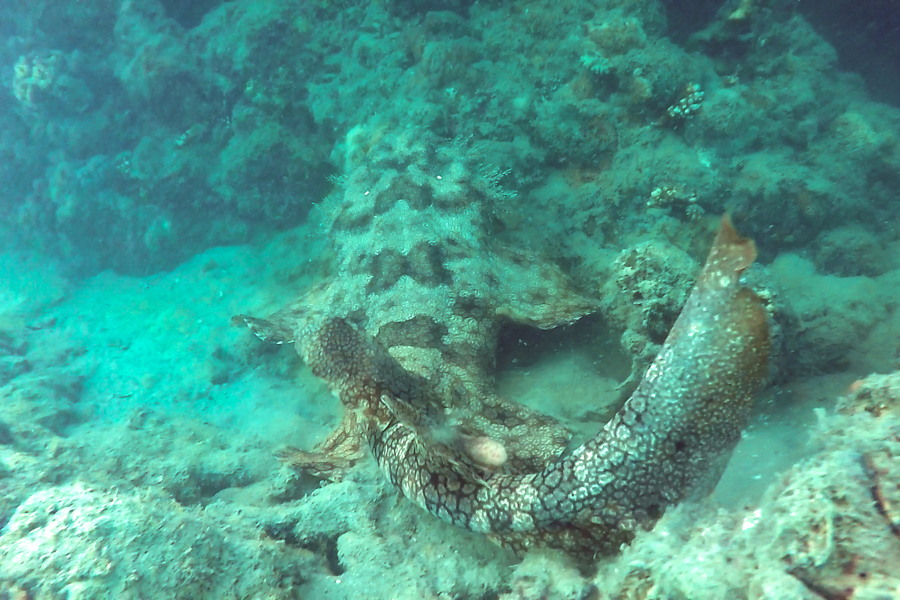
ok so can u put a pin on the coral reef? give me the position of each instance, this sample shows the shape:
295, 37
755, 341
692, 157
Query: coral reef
208, 442
256, 97
75, 540
646, 289
163, 166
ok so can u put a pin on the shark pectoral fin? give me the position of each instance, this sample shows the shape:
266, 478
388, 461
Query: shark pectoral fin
264, 330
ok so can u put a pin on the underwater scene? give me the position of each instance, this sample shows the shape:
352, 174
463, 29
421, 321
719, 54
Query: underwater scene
450, 300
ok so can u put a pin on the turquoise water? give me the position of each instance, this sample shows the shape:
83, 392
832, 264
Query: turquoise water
514, 199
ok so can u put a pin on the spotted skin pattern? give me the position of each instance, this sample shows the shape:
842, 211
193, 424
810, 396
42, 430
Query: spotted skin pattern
669, 441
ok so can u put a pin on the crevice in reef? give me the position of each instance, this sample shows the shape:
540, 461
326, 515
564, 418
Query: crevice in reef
189, 14
521, 346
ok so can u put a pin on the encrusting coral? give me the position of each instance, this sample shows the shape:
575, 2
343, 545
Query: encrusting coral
410, 370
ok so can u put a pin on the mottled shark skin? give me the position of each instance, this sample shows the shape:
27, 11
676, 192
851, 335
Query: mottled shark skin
417, 266
672, 437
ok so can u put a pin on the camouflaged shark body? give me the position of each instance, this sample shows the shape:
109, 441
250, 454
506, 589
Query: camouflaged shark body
417, 268
405, 334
